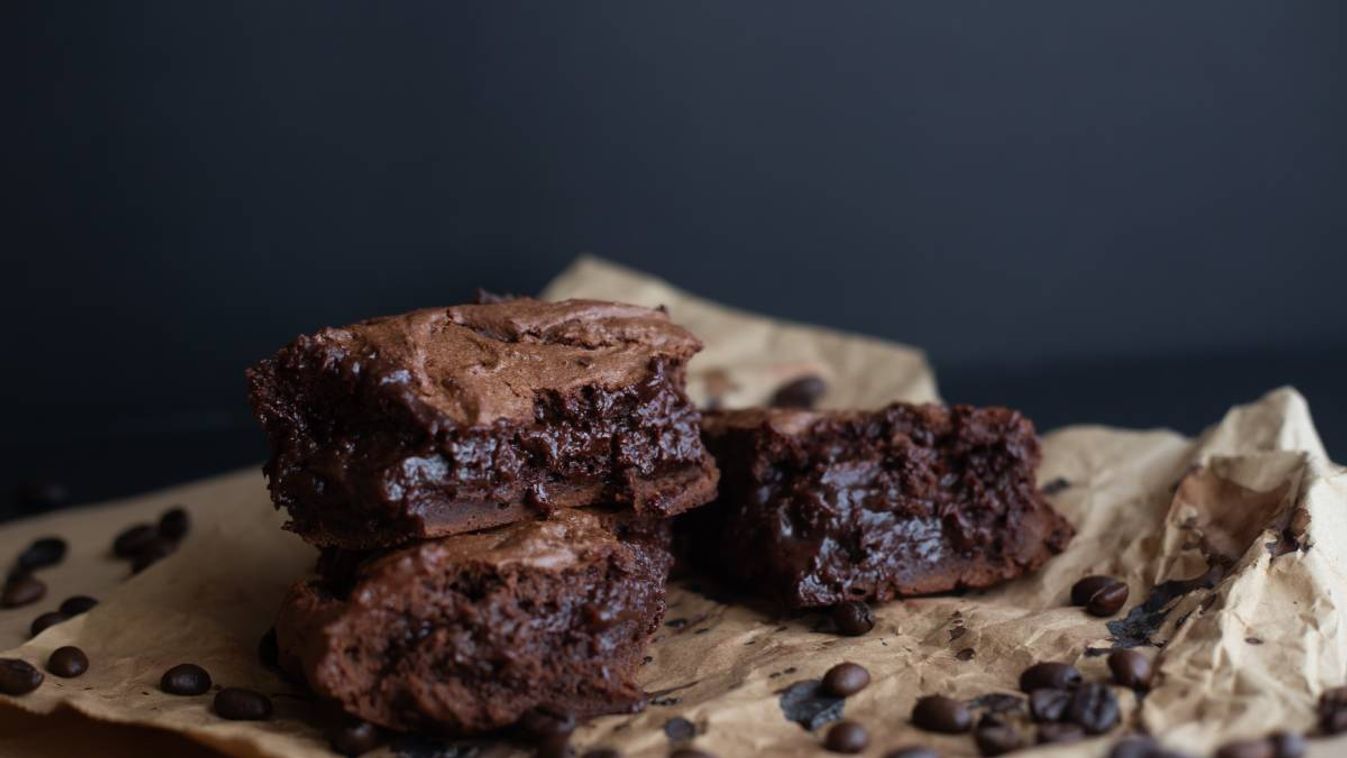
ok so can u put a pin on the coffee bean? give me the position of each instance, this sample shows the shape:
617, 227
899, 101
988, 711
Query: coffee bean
691, 752
1134, 747
1082, 591
156, 550
602, 752
846, 679
1130, 669
1094, 707
18, 677
1247, 749
937, 713
1050, 675
1052, 733
68, 662
1288, 744
77, 604
800, 393
997, 739
185, 679
238, 704
174, 523
916, 751
22, 590
353, 738
1107, 601
133, 539
1048, 704
1333, 711
267, 650
47, 551
542, 721
847, 737
853, 618
48, 619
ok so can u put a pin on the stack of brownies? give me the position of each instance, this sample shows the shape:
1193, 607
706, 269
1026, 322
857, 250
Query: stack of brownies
493, 485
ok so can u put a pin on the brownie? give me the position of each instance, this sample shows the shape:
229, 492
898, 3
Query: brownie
819, 508
464, 634
449, 420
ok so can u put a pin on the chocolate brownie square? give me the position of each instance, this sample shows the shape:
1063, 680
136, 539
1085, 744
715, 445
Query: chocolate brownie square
816, 508
465, 634
448, 420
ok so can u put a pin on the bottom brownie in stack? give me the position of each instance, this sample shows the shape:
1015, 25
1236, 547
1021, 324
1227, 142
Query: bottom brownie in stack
465, 634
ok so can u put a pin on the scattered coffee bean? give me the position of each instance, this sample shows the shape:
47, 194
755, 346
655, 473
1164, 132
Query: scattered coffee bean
1094, 707
543, 721
47, 551
846, 679
1288, 745
853, 618
18, 677
800, 393
997, 739
1048, 704
1052, 733
68, 662
48, 619
1107, 601
1247, 749
1333, 711
1050, 675
185, 679
691, 752
267, 650
174, 523
1130, 669
847, 737
77, 604
156, 550
22, 590
916, 751
937, 713
133, 539
238, 704
1134, 747
1082, 591
602, 752
353, 738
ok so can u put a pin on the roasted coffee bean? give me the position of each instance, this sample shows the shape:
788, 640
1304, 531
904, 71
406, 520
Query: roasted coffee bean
937, 713
22, 590
543, 721
1051, 733
174, 523
1048, 704
847, 737
1107, 601
77, 604
1094, 707
267, 650
156, 550
800, 393
691, 752
18, 677
1050, 675
916, 751
353, 738
133, 539
1333, 711
1134, 747
238, 704
853, 618
1082, 591
997, 739
1247, 749
1130, 669
185, 679
47, 551
48, 619
1288, 744
67, 662
846, 679
602, 752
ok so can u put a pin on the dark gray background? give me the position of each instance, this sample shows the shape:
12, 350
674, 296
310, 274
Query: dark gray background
1132, 213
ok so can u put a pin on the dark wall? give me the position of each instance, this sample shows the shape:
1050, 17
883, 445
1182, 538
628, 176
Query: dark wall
1126, 212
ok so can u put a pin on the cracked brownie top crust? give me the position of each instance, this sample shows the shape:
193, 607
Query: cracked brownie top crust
442, 421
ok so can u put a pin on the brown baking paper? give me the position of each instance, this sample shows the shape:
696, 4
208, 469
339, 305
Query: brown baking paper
1253, 505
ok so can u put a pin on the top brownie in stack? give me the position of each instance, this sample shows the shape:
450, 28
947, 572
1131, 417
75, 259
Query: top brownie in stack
448, 420
820, 508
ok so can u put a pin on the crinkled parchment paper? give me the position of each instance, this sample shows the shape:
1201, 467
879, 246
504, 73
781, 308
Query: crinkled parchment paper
1234, 546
